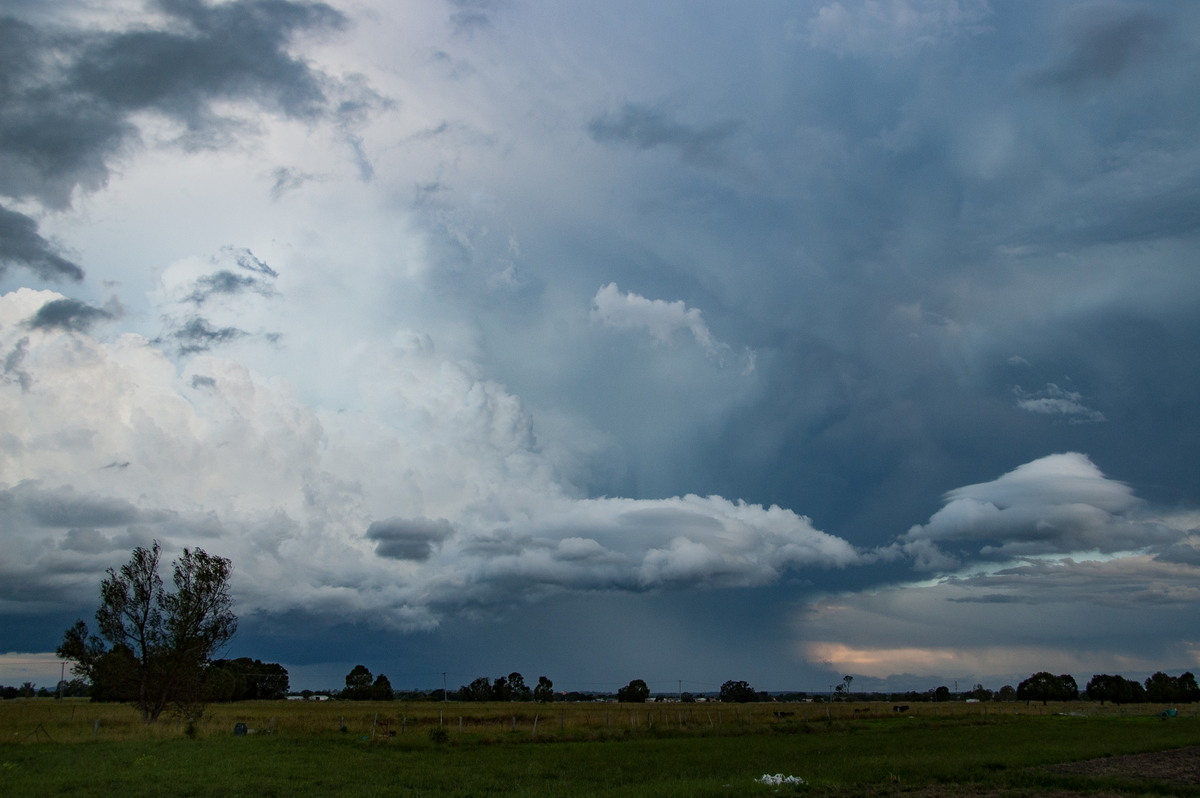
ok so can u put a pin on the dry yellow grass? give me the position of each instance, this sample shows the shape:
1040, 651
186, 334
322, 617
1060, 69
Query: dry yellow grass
78, 720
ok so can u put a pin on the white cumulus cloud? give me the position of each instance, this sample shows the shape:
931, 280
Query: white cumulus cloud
629, 311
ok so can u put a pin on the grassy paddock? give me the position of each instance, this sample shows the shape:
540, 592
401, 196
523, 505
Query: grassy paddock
56, 748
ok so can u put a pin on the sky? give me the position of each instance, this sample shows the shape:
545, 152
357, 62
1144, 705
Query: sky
683, 341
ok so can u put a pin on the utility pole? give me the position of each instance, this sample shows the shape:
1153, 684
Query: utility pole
445, 695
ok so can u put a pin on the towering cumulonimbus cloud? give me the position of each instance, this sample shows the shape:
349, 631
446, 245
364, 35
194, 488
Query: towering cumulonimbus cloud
424, 313
219, 453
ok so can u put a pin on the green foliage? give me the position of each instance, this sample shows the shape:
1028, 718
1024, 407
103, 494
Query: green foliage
742, 692
245, 679
359, 678
1043, 686
1117, 689
517, 689
478, 690
636, 692
980, 693
381, 689
161, 641
1164, 689
506, 688
544, 692
361, 686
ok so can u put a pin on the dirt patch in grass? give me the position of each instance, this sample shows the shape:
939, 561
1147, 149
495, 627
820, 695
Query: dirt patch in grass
1178, 766
1181, 766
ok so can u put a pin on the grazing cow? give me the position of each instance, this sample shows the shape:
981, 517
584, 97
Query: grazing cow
900, 708
782, 715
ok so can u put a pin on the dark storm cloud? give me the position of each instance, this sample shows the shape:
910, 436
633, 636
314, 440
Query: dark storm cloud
645, 128
69, 314
65, 507
52, 136
992, 598
1103, 45
88, 541
1181, 553
66, 97
245, 259
408, 538
226, 283
198, 335
13, 361
469, 16
285, 180
231, 51
20, 245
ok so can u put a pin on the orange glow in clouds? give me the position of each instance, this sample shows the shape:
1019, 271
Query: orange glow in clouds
884, 662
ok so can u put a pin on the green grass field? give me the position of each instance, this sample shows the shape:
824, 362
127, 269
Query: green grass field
393, 749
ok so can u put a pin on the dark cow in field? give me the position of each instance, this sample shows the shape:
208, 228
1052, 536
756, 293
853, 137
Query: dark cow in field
900, 708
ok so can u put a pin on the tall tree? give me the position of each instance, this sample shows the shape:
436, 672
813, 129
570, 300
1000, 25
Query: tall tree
544, 692
517, 689
1164, 689
358, 684
636, 692
160, 640
1117, 689
478, 690
737, 692
382, 690
1044, 686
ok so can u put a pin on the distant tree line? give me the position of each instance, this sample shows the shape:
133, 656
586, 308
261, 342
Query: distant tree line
1157, 689
76, 688
1044, 686
507, 688
1160, 688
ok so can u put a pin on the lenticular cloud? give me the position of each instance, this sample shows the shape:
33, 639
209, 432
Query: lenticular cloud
1056, 504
